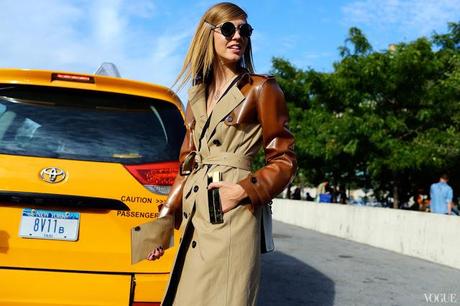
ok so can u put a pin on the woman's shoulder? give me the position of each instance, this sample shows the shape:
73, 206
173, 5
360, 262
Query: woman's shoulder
257, 79
255, 85
261, 77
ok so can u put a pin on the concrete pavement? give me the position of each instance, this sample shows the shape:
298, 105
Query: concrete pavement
310, 268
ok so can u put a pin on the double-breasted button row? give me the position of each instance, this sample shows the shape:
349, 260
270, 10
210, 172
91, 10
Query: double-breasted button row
185, 215
196, 188
216, 142
193, 244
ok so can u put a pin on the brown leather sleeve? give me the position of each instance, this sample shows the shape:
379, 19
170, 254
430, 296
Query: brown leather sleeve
174, 201
278, 142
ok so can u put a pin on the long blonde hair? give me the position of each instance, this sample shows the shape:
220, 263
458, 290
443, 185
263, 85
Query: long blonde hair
200, 56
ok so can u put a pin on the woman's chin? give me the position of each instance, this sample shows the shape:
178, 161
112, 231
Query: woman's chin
231, 60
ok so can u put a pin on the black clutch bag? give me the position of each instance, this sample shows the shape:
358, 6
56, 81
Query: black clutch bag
216, 216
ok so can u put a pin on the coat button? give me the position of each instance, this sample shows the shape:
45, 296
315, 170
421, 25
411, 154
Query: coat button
253, 180
185, 215
216, 142
196, 188
193, 244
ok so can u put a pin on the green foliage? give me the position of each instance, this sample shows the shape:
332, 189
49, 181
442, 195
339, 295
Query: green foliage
380, 119
358, 40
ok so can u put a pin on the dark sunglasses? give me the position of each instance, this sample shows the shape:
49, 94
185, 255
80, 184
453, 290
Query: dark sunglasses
228, 29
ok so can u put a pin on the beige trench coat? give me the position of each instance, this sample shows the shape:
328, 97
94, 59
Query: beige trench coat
218, 264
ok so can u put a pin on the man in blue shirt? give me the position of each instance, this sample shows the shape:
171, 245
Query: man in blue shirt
441, 196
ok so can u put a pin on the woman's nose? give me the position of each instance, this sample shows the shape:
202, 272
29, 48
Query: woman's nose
237, 34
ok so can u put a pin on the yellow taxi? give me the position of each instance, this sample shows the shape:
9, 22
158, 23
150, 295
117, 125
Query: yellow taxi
83, 159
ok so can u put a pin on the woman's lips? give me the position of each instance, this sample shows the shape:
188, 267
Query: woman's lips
235, 48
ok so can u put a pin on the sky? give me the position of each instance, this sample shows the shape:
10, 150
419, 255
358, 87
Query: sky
148, 39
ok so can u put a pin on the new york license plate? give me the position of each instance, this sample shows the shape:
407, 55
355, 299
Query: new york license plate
49, 224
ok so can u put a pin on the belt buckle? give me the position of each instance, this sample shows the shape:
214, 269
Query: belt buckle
187, 165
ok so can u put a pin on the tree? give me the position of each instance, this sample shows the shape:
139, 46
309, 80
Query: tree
387, 119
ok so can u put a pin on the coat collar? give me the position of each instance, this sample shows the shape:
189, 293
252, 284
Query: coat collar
197, 99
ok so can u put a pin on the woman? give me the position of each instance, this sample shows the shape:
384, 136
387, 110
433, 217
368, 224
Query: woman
231, 113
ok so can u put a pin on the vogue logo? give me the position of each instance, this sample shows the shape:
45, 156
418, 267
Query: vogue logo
441, 298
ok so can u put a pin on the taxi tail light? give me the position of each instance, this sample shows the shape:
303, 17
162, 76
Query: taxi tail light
158, 177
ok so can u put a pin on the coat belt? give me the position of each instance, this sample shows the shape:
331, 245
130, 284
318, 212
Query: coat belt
225, 159
195, 159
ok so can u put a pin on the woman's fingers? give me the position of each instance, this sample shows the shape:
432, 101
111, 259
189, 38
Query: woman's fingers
156, 253
151, 256
230, 194
216, 185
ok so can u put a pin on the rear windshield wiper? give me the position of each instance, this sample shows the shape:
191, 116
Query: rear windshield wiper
7, 87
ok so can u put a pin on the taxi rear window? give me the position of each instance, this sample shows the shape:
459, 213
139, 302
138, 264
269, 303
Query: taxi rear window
88, 125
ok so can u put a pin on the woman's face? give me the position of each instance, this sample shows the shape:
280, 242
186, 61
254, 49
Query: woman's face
229, 50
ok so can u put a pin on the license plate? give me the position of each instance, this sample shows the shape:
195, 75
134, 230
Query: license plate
49, 224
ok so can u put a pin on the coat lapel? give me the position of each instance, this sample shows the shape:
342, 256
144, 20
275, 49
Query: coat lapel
227, 103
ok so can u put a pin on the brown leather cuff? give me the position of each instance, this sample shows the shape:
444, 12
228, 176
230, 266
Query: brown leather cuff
252, 187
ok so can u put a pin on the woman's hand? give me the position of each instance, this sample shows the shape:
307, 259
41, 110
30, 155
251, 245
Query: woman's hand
230, 194
156, 253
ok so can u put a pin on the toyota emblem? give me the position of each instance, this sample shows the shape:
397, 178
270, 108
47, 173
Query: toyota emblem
52, 175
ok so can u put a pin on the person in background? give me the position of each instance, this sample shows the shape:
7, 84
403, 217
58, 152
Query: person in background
342, 194
441, 196
326, 196
296, 195
321, 189
308, 197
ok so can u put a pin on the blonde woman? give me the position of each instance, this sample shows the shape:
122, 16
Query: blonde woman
231, 113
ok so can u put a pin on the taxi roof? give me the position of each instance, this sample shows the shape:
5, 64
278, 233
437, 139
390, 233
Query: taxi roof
74, 80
